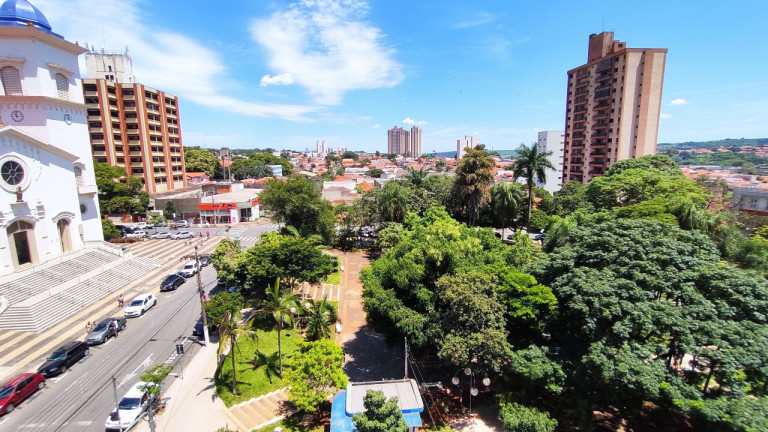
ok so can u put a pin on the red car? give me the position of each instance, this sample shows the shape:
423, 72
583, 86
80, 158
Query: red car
13, 392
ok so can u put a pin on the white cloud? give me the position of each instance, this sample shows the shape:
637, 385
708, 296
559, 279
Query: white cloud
479, 19
282, 79
678, 102
376, 126
168, 61
665, 116
328, 48
409, 120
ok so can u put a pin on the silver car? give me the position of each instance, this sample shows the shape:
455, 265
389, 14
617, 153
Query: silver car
182, 235
105, 330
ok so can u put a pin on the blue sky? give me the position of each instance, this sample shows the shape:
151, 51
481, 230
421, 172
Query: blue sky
283, 74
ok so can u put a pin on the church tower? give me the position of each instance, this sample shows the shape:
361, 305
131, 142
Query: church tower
48, 195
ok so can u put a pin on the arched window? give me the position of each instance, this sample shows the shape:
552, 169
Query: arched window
11, 81
62, 86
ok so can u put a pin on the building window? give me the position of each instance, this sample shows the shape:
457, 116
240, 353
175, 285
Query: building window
79, 176
11, 81
62, 86
752, 204
12, 173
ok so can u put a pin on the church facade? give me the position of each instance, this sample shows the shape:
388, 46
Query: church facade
48, 196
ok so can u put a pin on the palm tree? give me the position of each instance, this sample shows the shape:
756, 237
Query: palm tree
394, 202
505, 198
474, 176
416, 177
281, 306
531, 165
558, 231
230, 330
322, 315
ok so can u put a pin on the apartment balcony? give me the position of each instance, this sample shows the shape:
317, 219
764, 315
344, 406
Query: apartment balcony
158, 154
129, 97
93, 118
101, 153
97, 141
128, 108
135, 153
96, 129
92, 93
137, 164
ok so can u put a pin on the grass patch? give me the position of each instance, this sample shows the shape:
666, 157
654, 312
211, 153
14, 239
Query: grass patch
335, 277
265, 377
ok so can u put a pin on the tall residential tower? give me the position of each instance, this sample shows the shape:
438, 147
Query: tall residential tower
403, 142
614, 103
131, 125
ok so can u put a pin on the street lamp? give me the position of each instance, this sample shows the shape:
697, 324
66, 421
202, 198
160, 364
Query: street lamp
473, 390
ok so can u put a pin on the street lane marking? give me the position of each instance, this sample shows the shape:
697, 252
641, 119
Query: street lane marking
147, 361
58, 378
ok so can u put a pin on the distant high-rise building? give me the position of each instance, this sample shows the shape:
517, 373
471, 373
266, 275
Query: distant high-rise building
614, 103
462, 144
320, 147
415, 149
404, 143
552, 141
133, 126
397, 140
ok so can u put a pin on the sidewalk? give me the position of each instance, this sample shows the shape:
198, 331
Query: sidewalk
193, 404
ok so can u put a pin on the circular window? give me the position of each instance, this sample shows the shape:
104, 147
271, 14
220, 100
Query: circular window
12, 172
83, 208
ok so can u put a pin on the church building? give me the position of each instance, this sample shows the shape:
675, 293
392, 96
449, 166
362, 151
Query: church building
48, 196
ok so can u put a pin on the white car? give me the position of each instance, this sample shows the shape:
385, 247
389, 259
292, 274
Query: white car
137, 234
161, 235
182, 235
190, 269
130, 409
139, 305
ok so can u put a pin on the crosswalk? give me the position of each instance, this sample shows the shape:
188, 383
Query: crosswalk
317, 292
166, 249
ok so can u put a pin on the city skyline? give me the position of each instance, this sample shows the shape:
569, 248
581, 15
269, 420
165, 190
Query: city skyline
289, 73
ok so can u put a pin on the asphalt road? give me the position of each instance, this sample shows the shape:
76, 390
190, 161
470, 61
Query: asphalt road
81, 399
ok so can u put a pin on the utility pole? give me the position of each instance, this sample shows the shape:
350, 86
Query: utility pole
117, 404
406, 358
202, 296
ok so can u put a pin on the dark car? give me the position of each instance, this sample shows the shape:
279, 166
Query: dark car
105, 330
63, 357
124, 230
204, 260
14, 391
197, 330
172, 282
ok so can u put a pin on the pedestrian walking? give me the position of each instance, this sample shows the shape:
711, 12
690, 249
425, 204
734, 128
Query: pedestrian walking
120, 300
114, 327
208, 234
88, 327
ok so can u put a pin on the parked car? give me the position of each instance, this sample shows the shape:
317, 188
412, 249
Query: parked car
539, 236
181, 224
182, 235
204, 260
140, 226
190, 269
197, 330
14, 391
161, 235
137, 234
130, 408
172, 282
105, 330
124, 229
140, 304
64, 357
161, 224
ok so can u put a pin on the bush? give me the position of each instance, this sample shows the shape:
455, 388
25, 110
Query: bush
519, 418
109, 230
539, 219
221, 302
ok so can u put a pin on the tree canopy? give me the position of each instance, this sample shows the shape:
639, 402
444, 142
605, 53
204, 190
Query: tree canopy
197, 159
297, 202
380, 415
118, 192
315, 373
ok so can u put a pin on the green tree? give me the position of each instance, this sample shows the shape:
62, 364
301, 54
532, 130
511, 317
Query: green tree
281, 306
293, 259
321, 316
222, 302
474, 176
109, 230
350, 155
117, 191
197, 159
375, 172
505, 199
519, 418
169, 211
297, 202
380, 415
531, 165
570, 198
230, 331
416, 177
225, 260
393, 202
315, 373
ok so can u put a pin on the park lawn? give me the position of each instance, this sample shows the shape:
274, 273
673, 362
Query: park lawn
253, 382
335, 277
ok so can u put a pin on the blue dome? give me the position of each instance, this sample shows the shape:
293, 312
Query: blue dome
21, 13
